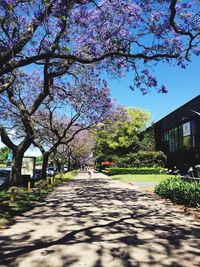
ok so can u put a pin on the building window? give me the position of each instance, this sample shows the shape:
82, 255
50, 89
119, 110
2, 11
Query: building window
193, 132
180, 138
186, 142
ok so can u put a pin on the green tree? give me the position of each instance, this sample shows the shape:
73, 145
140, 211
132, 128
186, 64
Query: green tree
121, 136
147, 142
4, 151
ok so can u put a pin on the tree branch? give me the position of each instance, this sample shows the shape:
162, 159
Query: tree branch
6, 140
8, 84
88, 61
27, 36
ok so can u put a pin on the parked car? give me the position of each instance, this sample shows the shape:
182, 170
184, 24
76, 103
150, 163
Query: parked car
37, 174
65, 169
4, 176
50, 171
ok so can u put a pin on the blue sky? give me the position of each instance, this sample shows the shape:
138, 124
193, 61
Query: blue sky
182, 85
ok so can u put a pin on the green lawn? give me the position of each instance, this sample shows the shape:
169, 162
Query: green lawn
127, 178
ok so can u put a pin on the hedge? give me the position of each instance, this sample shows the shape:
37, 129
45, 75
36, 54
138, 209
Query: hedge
141, 159
180, 192
115, 171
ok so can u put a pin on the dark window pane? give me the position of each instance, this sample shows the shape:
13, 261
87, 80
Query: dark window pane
187, 142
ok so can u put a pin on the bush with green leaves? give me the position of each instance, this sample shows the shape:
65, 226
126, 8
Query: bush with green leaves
141, 159
115, 171
180, 191
4, 151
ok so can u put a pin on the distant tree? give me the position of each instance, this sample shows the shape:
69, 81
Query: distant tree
147, 139
4, 151
39, 160
121, 136
75, 153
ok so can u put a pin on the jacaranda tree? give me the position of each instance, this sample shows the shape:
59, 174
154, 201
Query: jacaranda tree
67, 113
34, 119
16, 126
118, 35
65, 39
76, 152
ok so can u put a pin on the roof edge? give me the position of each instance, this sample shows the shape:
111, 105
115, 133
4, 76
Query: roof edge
198, 96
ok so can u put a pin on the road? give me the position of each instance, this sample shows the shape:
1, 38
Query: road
4, 175
100, 222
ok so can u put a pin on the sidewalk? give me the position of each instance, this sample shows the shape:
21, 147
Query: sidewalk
100, 222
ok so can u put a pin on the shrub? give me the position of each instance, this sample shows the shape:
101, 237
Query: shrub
141, 159
180, 192
115, 171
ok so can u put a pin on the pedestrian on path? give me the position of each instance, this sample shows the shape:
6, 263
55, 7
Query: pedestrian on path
90, 172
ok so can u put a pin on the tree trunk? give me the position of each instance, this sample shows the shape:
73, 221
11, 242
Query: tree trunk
69, 163
44, 165
58, 163
16, 168
18, 154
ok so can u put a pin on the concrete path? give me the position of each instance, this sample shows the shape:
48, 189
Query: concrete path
144, 184
99, 222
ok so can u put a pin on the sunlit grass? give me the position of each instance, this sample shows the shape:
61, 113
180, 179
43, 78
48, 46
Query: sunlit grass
127, 178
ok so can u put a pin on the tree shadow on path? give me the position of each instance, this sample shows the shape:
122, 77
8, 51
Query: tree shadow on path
98, 223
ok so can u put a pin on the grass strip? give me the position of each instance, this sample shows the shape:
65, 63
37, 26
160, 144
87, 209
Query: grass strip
127, 178
24, 200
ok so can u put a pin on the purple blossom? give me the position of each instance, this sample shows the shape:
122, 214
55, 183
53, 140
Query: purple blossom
145, 71
122, 26
163, 90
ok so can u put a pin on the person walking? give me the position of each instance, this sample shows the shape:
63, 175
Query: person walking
90, 172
